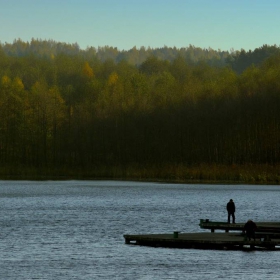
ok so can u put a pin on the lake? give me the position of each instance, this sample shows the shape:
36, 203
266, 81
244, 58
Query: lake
74, 230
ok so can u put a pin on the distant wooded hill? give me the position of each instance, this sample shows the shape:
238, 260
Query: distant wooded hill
239, 60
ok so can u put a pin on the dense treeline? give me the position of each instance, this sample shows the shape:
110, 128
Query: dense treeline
237, 60
64, 111
134, 56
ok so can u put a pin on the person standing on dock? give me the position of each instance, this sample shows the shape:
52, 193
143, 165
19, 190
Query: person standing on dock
231, 211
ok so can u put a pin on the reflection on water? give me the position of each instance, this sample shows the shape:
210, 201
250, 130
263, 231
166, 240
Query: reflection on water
74, 230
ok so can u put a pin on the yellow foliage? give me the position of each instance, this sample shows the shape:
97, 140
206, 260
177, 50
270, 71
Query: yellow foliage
87, 71
6, 81
18, 84
113, 78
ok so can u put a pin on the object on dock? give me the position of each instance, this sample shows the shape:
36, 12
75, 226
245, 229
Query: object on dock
176, 234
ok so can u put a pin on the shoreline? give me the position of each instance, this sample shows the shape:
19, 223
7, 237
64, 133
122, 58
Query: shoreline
181, 174
147, 180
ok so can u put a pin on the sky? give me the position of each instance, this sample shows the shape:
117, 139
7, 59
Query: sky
218, 24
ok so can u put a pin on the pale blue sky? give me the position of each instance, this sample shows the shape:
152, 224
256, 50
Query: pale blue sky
218, 24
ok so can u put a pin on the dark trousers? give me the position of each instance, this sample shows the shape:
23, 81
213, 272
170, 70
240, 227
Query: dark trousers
233, 217
250, 234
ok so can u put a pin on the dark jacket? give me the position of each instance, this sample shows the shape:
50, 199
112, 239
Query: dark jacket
231, 207
250, 227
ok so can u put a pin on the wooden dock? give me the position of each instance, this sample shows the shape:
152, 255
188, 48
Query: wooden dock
269, 227
267, 238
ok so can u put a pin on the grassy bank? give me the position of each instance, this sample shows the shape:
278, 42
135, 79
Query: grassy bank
249, 174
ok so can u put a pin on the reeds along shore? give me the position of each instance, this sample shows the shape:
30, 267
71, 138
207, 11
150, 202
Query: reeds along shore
203, 173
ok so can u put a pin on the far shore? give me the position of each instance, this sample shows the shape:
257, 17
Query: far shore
199, 174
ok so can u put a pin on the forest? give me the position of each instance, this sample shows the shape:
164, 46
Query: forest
169, 114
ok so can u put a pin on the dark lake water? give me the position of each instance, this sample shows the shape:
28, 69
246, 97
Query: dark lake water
74, 230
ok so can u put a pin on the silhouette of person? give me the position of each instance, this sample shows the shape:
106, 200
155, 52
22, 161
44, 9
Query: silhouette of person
231, 210
250, 228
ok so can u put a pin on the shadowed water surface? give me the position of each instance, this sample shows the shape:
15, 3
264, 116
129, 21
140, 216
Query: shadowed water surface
74, 230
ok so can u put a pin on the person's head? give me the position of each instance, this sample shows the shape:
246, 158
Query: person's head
231, 200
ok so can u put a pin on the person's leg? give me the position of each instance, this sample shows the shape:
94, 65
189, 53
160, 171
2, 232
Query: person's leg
228, 217
233, 218
248, 236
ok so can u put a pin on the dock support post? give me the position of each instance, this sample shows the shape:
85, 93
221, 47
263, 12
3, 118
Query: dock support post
127, 241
